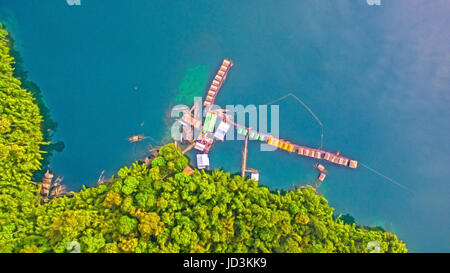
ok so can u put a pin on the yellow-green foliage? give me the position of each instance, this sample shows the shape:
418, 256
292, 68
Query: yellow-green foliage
163, 210
159, 209
20, 140
20, 121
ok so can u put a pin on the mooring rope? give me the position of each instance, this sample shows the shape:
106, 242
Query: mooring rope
307, 108
386, 177
393, 181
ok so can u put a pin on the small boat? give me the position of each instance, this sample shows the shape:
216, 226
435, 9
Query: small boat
136, 138
46, 183
101, 177
58, 191
321, 177
320, 167
58, 181
353, 164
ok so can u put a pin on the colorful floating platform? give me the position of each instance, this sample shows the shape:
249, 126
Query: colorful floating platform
205, 141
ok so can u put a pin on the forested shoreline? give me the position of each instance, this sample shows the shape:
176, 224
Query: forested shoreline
157, 208
48, 125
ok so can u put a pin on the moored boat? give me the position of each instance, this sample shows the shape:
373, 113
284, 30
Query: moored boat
320, 167
136, 138
321, 177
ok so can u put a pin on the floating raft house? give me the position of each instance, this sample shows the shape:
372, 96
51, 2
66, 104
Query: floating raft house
202, 161
222, 130
210, 122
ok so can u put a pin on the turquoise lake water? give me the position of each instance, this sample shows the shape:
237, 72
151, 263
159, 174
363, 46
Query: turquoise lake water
376, 76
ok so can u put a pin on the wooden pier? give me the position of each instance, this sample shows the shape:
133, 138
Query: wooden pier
244, 157
188, 148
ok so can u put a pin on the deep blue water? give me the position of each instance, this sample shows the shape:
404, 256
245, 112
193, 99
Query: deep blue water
377, 77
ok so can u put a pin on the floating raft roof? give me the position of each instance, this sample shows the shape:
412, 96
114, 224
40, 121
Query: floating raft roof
188, 170
204, 142
314, 153
242, 131
202, 161
210, 122
254, 176
222, 130
321, 177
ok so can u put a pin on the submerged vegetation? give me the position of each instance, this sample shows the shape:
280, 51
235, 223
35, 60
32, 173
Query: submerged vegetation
157, 208
193, 84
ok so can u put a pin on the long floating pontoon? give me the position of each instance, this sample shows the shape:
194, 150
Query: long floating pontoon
287, 146
314, 153
205, 141
217, 82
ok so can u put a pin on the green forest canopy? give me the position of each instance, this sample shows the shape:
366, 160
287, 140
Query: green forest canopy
157, 209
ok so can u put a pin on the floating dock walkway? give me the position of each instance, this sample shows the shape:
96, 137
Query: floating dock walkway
217, 82
205, 141
287, 146
294, 148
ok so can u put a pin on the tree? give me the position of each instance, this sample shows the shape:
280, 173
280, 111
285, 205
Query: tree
126, 225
